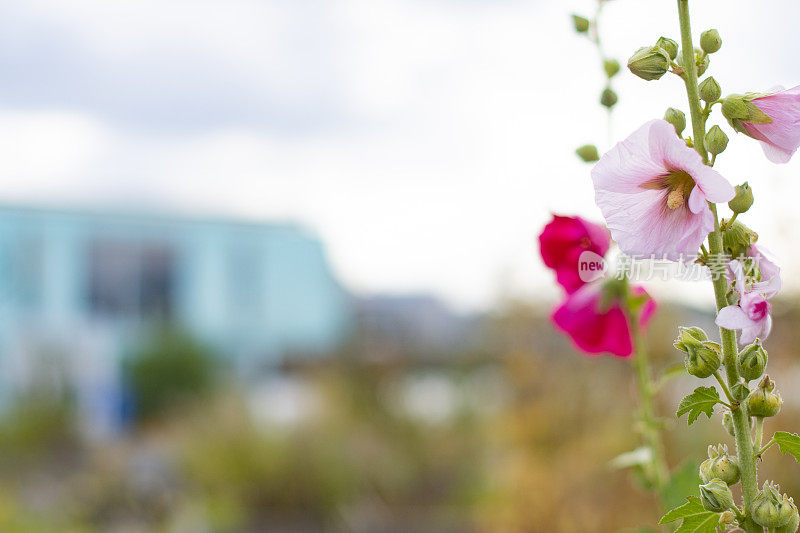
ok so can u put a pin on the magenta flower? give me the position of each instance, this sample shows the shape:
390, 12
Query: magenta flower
596, 327
779, 138
563, 241
653, 191
751, 315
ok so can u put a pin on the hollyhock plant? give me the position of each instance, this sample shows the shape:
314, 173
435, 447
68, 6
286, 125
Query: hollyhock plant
751, 315
563, 241
596, 326
769, 271
653, 191
772, 118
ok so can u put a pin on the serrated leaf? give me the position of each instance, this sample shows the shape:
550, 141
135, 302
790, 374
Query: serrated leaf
695, 518
788, 443
702, 400
637, 457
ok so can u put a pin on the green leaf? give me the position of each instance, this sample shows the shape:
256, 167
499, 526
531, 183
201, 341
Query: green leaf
695, 518
702, 400
788, 443
682, 481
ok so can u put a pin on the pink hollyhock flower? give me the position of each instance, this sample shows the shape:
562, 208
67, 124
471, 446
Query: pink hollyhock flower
653, 191
751, 316
769, 281
779, 137
596, 328
564, 240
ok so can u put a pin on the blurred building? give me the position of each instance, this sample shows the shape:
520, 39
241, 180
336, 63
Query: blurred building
83, 288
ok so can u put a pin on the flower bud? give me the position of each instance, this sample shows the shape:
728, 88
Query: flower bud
580, 23
715, 140
737, 239
608, 98
770, 509
793, 523
669, 46
716, 496
720, 465
764, 402
704, 361
740, 391
727, 423
752, 361
710, 90
588, 153
739, 108
611, 66
710, 41
743, 199
727, 518
676, 118
649, 62
690, 336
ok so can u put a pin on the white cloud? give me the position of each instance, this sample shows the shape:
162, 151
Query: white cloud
426, 142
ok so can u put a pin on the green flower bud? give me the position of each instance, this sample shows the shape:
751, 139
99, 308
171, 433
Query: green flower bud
752, 361
710, 90
739, 108
715, 140
710, 41
743, 199
727, 422
772, 510
716, 496
676, 118
611, 66
588, 153
720, 465
740, 391
727, 518
690, 336
649, 62
793, 523
737, 239
764, 402
608, 98
669, 46
702, 61
581, 23
704, 361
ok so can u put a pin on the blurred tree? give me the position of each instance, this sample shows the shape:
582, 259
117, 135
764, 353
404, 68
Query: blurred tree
171, 369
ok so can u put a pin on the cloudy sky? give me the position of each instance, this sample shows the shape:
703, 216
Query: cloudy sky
425, 141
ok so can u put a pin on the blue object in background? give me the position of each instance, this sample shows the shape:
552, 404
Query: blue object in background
86, 286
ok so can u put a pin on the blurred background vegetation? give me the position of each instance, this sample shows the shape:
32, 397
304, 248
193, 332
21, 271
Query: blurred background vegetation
512, 431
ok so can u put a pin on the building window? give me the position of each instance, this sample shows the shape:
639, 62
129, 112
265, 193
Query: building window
131, 280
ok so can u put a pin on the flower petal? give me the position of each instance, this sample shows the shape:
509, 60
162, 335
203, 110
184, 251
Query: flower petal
628, 164
716, 188
697, 200
732, 317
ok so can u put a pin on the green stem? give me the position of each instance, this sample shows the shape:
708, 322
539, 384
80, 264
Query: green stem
650, 431
741, 422
725, 389
690, 78
759, 434
766, 447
